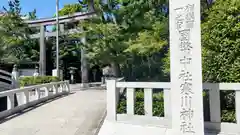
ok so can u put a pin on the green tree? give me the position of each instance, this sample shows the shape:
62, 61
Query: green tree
71, 9
13, 33
221, 42
104, 44
121, 36
221, 48
153, 38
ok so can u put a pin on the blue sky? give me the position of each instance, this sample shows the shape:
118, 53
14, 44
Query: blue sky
45, 8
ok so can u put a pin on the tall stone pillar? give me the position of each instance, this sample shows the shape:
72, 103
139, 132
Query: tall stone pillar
42, 62
186, 67
84, 64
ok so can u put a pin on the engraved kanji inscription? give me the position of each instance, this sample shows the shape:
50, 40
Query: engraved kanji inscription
184, 23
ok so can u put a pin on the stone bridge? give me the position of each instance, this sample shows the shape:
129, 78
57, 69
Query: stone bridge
63, 109
79, 112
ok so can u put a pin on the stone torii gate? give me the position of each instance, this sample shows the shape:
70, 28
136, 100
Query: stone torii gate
42, 23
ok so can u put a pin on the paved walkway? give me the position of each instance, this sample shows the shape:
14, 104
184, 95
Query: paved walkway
76, 114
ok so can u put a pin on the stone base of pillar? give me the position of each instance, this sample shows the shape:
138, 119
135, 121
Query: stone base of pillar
84, 85
54, 73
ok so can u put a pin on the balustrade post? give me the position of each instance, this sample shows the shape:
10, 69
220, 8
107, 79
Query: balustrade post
215, 106
55, 89
130, 100
148, 102
111, 100
61, 87
65, 88
46, 91
68, 87
167, 103
10, 101
23, 97
37, 90
238, 107
26, 97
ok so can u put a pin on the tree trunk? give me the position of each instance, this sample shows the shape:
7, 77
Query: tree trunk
116, 69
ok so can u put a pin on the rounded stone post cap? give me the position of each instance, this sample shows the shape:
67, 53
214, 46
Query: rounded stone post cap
37, 69
15, 67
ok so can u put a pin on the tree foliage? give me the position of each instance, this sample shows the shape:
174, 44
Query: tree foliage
105, 46
221, 42
71, 9
153, 39
13, 33
126, 32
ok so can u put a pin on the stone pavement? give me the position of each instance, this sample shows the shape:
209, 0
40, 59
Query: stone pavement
79, 113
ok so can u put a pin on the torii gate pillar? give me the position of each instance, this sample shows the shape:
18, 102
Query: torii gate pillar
42, 62
84, 65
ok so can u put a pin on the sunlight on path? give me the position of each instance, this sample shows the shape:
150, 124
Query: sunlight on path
76, 114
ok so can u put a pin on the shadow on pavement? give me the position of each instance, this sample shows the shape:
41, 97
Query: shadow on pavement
33, 107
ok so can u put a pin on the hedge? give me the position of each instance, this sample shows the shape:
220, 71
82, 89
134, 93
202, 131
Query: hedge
158, 106
31, 80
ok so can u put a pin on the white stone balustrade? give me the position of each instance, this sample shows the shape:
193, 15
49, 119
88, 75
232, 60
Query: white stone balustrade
26, 100
214, 124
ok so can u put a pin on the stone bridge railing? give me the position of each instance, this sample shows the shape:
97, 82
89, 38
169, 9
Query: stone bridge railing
214, 124
33, 95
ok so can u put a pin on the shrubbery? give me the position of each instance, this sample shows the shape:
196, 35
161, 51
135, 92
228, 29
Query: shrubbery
31, 80
158, 106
